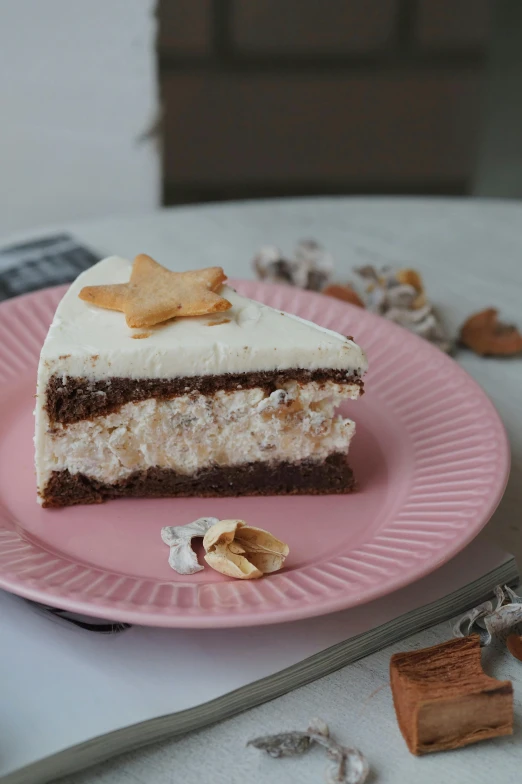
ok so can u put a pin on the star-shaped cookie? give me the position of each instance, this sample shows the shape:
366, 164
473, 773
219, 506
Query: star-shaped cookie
155, 294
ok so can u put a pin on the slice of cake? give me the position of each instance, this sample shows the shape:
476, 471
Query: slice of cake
238, 401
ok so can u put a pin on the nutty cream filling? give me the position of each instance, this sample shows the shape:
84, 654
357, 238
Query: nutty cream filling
191, 432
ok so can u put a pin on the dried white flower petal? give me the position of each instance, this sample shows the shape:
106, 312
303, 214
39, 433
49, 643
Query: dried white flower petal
351, 768
349, 765
285, 744
497, 617
314, 265
238, 550
394, 295
270, 264
267, 254
319, 727
182, 557
310, 267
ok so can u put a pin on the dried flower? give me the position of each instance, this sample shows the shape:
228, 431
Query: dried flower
286, 744
484, 334
310, 267
316, 265
398, 294
410, 277
349, 765
270, 264
497, 617
238, 550
182, 557
400, 297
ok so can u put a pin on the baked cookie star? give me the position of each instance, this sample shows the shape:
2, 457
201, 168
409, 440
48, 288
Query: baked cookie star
155, 294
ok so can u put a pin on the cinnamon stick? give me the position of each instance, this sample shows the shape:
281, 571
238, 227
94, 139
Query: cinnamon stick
444, 700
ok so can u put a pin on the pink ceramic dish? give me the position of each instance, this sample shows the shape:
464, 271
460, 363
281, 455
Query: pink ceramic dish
430, 454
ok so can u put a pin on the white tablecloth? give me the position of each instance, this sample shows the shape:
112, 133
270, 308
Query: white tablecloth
470, 255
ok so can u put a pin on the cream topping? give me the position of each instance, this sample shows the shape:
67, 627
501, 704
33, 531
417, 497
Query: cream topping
88, 341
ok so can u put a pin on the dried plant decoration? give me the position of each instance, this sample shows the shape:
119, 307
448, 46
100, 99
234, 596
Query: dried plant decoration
316, 263
346, 293
349, 766
399, 296
442, 697
232, 547
444, 700
496, 617
396, 294
182, 557
239, 550
484, 334
310, 267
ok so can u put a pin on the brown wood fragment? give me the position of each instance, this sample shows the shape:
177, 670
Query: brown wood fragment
514, 645
346, 293
444, 700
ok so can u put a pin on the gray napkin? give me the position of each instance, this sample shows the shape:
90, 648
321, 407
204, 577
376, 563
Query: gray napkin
48, 261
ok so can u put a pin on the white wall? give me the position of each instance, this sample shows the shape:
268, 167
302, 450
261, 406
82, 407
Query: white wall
77, 88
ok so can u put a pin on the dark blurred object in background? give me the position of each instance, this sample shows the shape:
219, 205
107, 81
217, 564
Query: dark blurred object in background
291, 97
499, 161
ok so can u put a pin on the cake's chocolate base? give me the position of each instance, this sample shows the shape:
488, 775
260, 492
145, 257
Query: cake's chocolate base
304, 478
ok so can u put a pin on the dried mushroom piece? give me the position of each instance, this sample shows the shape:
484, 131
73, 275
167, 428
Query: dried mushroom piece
238, 550
182, 557
484, 334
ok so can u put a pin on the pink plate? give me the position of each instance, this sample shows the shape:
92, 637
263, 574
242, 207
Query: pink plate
430, 454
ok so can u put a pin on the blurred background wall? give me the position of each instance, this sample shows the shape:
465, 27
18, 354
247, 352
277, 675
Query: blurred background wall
115, 106
78, 90
280, 97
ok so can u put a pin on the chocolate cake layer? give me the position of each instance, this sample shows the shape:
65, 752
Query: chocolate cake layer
72, 399
280, 478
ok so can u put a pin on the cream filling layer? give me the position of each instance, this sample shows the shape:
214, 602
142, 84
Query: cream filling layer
192, 432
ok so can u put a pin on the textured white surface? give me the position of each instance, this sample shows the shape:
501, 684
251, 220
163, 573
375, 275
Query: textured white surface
470, 254
78, 90
356, 702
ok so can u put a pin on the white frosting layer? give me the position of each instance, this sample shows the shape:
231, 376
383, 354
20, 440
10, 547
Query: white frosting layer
189, 433
95, 343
